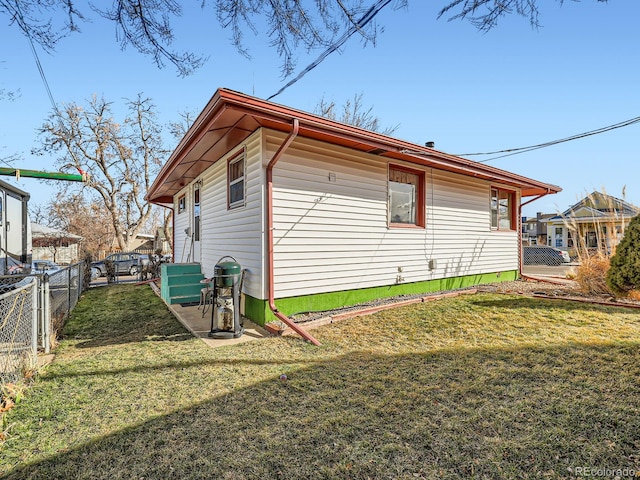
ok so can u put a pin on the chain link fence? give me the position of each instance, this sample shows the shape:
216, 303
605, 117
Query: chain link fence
18, 328
543, 255
32, 308
61, 291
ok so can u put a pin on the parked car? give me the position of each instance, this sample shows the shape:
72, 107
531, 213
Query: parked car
37, 266
544, 255
44, 266
124, 262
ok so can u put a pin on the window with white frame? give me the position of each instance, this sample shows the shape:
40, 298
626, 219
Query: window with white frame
235, 181
182, 204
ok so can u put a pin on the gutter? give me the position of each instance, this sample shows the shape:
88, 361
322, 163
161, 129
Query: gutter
270, 264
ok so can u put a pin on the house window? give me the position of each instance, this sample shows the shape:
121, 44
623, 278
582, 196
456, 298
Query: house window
502, 209
182, 204
558, 236
235, 181
406, 197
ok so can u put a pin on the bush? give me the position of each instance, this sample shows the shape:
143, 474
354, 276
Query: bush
591, 275
624, 274
110, 267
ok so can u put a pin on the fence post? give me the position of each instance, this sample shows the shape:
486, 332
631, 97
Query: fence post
34, 323
68, 292
46, 314
40, 308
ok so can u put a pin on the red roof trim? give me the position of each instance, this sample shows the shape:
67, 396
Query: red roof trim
229, 108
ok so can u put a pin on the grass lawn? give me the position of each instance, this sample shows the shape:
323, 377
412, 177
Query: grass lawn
478, 386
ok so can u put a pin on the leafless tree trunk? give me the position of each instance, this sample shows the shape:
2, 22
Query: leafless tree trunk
120, 158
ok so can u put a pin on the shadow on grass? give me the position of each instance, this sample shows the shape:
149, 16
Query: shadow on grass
177, 365
469, 413
515, 303
133, 336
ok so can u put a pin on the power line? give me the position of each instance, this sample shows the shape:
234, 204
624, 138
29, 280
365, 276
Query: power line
366, 18
516, 151
25, 28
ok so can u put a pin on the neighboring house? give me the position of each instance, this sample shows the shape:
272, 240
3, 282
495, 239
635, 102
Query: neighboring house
142, 243
534, 229
161, 242
595, 222
529, 229
321, 214
56, 245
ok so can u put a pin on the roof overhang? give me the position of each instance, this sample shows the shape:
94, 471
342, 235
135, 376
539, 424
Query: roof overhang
14, 191
230, 117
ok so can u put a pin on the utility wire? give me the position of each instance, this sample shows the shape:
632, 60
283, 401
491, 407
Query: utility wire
25, 28
36, 58
515, 151
366, 18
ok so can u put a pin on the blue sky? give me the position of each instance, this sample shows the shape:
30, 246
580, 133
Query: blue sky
439, 81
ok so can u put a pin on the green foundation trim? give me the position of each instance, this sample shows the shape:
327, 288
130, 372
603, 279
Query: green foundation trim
258, 310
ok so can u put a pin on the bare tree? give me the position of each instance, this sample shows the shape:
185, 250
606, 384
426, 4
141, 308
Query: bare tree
353, 113
38, 214
119, 158
179, 128
147, 24
484, 14
86, 218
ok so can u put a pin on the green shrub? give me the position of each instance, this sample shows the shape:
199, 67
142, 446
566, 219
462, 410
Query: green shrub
624, 273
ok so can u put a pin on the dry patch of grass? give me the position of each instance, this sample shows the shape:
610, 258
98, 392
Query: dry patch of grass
485, 386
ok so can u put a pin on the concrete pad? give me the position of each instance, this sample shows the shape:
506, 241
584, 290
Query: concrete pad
191, 317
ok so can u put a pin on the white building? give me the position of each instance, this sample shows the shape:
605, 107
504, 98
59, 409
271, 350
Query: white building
55, 245
596, 222
322, 214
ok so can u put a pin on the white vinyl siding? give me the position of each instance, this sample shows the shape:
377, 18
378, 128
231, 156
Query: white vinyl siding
181, 221
333, 235
331, 229
236, 232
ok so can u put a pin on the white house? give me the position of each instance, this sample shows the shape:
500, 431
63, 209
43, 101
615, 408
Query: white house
596, 222
322, 214
55, 245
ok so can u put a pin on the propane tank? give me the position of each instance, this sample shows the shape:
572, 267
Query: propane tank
224, 313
